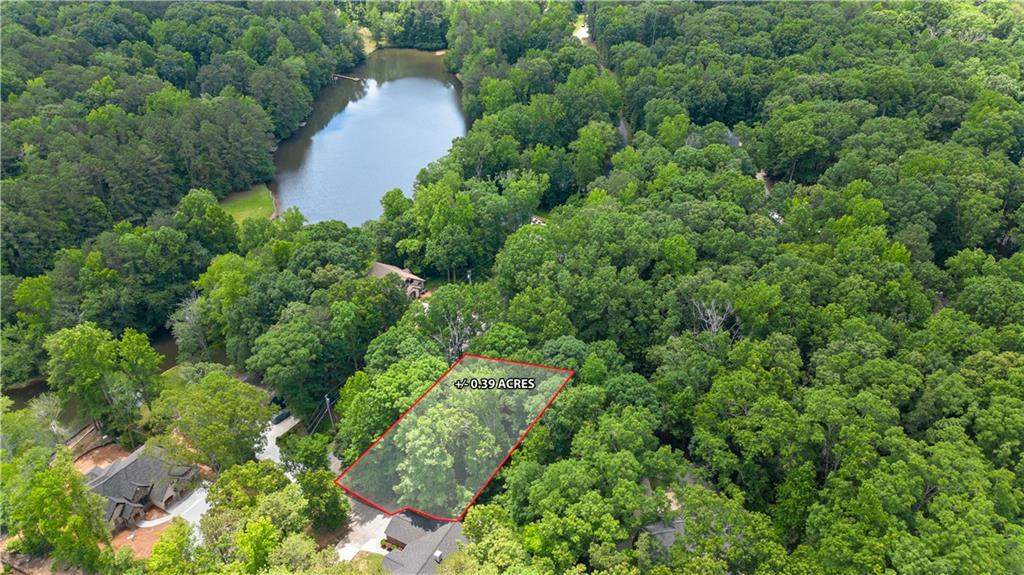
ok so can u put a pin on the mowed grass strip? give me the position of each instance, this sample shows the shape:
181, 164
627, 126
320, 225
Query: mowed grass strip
255, 203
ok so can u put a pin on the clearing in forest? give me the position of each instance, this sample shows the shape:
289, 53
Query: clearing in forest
255, 203
439, 455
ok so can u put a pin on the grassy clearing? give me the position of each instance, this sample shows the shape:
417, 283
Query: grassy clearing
173, 378
173, 373
434, 283
369, 563
255, 203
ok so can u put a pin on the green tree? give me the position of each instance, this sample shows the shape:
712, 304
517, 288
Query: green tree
283, 96
456, 314
37, 425
390, 393
174, 553
55, 511
288, 355
220, 418
255, 544
304, 452
238, 487
541, 313
591, 151
110, 377
672, 131
205, 222
287, 509
328, 508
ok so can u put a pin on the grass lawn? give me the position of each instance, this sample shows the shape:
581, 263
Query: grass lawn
369, 563
173, 374
255, 203
434, 283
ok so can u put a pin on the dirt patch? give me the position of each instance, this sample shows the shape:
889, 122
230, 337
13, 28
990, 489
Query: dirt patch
154, 513
21, 564
207, 472
100, 457
141, 540
325, 539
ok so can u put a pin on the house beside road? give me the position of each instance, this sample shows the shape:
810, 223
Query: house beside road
135, 483
420, 544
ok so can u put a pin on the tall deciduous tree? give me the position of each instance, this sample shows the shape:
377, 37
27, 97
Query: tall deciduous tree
239, 487
55, 510
220, 418
591, 151
326, 505
111, 378
255, 544
456, 314
174, 553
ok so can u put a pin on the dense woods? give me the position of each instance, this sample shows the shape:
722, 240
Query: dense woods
781, 248
113, 111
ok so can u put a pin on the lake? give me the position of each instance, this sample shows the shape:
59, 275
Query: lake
362, 139
367, 137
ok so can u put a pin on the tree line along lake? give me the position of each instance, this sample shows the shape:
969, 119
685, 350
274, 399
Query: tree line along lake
367, 136
363, 138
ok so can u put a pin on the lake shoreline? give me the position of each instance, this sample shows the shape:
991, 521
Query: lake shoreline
24, 384
282, 144
383, 66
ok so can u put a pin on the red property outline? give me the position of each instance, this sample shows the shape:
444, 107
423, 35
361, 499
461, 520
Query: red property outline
357, 495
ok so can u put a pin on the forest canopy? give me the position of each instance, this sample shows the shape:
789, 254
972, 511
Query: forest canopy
778, 242
114, 111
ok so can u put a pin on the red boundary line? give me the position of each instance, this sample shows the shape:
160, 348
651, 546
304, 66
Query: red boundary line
529, 428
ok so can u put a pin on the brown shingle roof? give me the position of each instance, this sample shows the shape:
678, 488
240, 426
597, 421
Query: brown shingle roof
379, 270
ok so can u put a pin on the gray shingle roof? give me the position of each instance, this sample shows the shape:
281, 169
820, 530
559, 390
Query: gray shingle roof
418, 556
130, 483
666, 533
407, 527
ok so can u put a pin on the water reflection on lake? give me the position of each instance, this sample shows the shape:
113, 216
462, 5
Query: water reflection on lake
362, 139
367, 137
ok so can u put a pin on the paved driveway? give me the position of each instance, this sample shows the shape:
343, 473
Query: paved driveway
191, 509
270, 450
366, 529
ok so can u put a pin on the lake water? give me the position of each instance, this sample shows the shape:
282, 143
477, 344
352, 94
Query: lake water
362, 139
367, 137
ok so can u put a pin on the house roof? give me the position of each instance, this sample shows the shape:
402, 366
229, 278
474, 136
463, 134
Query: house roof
666, 533
379, 270
423, 555
121, 482
407, 527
